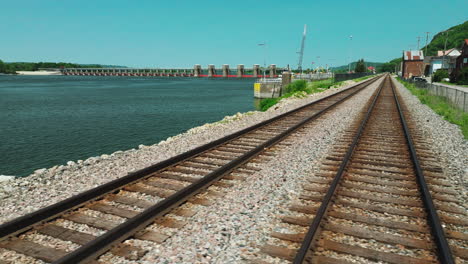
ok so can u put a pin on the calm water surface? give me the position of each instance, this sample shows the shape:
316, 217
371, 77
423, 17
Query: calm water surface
49, 120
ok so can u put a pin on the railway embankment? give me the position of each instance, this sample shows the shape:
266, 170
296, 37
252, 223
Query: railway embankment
49, 185
230, 230
355, 230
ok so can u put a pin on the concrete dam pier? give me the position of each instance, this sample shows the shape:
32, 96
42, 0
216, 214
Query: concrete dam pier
197, 71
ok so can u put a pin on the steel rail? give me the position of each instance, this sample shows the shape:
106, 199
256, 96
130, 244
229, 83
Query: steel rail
444, 252
311, 234
125, 230
25, 222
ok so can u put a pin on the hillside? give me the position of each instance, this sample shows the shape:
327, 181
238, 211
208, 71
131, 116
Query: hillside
455, 38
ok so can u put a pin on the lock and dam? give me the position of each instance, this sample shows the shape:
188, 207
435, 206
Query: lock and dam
211, 72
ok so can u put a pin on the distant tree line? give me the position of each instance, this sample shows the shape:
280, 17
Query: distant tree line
12, 67
391, 65
361, 65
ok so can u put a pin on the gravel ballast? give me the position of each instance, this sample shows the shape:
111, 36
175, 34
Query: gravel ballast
232, 230
44, 187
446, 140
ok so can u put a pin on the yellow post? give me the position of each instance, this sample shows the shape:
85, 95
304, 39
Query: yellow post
257, 88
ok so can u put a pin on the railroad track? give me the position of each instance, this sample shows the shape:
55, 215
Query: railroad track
126, 207
371, 201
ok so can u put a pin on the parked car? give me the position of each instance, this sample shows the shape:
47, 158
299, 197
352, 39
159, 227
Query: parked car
419, 79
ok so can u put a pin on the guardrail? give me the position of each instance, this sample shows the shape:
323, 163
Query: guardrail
339, 77
269, 80
458, 97
313, 76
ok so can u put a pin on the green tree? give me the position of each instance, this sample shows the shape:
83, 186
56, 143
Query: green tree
2, 66
439, 75
360, 66
390, 66
463, 76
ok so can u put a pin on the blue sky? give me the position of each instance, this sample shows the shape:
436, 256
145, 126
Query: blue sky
183, 33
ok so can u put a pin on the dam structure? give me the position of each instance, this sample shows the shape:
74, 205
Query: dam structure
211, 72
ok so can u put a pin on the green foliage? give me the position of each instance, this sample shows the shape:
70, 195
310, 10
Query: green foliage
318, 86
299, 88
390, 66
455, 38
268, 102
344, 68
363, 78
441, 106
2, 66
439, 75
360, 66
463, 76
296, 86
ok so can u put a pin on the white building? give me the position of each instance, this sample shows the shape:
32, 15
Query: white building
448, 61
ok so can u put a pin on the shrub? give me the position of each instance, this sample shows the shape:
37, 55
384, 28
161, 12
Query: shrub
462, 77
267, 103
439, 75
296, 86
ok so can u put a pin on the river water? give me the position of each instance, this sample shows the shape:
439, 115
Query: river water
49, 120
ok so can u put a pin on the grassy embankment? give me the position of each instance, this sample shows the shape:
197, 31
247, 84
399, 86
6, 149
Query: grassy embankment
441, 106
301, 89
363, 78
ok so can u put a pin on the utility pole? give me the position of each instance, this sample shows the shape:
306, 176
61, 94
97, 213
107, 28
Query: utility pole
427, 39
350, 60
264, 57
445, 48
419, 39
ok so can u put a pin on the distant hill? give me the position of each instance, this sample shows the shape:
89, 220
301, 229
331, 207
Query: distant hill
353, 65
455, 38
